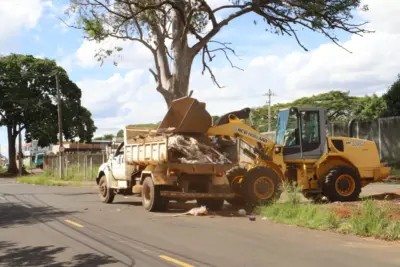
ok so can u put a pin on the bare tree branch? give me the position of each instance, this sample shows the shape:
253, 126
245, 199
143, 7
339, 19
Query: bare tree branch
205, 66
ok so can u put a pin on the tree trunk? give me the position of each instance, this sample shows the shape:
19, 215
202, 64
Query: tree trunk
183, 58
12, 167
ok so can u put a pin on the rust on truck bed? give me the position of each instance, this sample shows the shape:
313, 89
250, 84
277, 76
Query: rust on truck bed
199, 168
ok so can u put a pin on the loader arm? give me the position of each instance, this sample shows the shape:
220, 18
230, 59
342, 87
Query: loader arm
236, 128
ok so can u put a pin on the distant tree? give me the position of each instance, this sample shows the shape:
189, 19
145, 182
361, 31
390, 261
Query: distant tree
158, 24
339, 104
28, 102
369, 108
120, 133
340, 107
392, 99
105, 137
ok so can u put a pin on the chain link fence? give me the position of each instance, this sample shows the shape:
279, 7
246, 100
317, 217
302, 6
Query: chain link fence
77, 166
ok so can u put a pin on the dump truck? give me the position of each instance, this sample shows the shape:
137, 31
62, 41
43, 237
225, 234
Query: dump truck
175, 162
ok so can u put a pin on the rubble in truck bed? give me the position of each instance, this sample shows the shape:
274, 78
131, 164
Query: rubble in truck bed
194, 149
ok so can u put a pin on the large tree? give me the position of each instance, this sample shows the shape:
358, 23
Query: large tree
157, 23
29, 103
392, 99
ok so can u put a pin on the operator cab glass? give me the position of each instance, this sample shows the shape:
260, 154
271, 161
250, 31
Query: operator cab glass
292, 122
287, 132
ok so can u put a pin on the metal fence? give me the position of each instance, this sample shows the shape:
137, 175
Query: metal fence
79, 166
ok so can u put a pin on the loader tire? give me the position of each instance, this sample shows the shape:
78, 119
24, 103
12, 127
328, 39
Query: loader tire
261, 185
106, 194
151, 198
211, 204
342, 183
233, 176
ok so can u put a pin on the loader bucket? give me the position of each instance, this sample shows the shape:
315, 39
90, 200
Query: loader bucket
186, 115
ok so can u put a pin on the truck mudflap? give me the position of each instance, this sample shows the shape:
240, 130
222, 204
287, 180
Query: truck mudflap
175, 194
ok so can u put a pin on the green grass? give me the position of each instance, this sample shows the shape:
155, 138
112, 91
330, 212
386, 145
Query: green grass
47, 179
2, 170
369, 220
395, 171
73, 174
43, 180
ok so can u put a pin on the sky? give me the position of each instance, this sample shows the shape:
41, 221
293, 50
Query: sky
125, 94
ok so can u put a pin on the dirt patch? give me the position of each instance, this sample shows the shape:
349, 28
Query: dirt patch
394, 215
343, 212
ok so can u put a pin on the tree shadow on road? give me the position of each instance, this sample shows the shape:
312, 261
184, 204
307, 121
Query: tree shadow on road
13, 214
13, 255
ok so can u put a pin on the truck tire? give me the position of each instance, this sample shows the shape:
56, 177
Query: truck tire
233, 176
151, 198
342, 183
261, 185
211, 204
106, 194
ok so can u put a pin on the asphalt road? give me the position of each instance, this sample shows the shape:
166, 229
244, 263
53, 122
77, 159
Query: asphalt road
60, 226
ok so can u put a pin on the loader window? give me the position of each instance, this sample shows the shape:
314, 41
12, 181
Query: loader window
310, 127
287, 129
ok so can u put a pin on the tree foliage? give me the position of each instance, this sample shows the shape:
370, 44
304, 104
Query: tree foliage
392, 99
369, 108
156, 24
28, 90
340, 106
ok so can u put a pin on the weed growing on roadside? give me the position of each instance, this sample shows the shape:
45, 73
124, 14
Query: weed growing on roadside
369, 220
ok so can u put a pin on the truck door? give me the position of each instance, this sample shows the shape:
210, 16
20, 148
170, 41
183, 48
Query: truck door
118, 163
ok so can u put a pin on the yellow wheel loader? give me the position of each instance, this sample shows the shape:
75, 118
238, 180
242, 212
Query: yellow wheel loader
336, 167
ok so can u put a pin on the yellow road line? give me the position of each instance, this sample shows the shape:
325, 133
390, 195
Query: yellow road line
74, 223
180, 263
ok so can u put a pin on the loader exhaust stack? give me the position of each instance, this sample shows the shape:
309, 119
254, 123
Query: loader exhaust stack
186, 115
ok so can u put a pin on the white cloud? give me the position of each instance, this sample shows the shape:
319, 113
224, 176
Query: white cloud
121, 100
16, 15
132, 56
371, 68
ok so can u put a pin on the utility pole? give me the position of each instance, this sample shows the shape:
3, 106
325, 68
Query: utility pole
269, 94
20, 151
61, 148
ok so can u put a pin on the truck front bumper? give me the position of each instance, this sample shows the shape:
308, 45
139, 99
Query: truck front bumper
175, 194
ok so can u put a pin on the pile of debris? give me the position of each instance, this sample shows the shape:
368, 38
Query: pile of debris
195, 149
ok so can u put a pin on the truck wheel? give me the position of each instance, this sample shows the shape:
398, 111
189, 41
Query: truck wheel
235, 175
211, 204
261, 185
106, 194
151, 199
342, 183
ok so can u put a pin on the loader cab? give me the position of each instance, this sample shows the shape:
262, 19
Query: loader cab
301, 132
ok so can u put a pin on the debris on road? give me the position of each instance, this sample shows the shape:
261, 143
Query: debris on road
252, 218
264, 218
242, 212
194, 212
